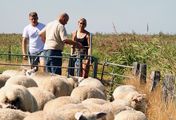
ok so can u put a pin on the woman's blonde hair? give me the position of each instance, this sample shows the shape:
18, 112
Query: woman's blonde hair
83, 20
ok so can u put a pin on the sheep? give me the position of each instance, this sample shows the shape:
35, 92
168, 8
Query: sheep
14, 72
3, 79
77, 112
21, 80
38, 115
58, 85
41, 115
92, 82
11, 114
130, 115
131, 96
107, 107
94, 101
83, 92
41, 96
17, 97
54, 104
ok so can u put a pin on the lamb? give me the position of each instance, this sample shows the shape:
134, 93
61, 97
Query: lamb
21, 80
11, 114
17, 97
92, 82
58, 85
41, 96
131, 96
3, 79
83, 92
54, 104
130, 115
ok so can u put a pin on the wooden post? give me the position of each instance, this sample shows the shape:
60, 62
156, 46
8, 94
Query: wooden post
169, 88
9, 52
102, 73
135, 70
142, 73
155, 77
95, 68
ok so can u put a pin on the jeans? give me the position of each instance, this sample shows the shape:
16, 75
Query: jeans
34, 60
53, 64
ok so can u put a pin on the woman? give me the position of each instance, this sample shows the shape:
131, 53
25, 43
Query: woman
82, 36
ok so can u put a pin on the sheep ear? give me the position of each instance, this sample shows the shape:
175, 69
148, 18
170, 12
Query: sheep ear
79, 115
100, 115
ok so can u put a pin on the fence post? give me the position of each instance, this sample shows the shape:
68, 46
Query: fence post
142, 73
103, 70
135, 70
9, 52
155, 77
169, 88
95, 67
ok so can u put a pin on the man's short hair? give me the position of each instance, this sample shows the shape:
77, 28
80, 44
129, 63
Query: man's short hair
33, 14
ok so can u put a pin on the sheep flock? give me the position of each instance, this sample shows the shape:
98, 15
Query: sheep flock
45, 96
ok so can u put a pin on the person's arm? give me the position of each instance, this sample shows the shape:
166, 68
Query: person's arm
24, 47
42, 34
73, 47
74, 43
89, 44
64, 38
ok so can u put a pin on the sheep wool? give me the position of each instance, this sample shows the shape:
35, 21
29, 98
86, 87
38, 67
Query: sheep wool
12, 114
21, 80
41, 96
84, 92
18, 97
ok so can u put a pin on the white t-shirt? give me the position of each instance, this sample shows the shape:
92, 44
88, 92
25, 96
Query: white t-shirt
35, 42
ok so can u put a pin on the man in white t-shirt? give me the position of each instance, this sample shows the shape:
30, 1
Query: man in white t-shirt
33, 40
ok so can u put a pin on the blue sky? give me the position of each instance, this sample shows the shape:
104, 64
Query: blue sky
125, 15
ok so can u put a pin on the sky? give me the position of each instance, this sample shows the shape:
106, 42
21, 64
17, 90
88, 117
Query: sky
103, 16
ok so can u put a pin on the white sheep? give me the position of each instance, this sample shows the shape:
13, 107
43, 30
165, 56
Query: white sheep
77, 112
21, 80
12, 114
41, 96
84, 92
56, 103
94, 101
97, 105
14, 72
130, 115
58, 85
92, 82
131, 96
3, 79
41, 115
17, 97
38, 115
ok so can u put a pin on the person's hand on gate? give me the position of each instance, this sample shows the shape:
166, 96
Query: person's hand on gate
25, 57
